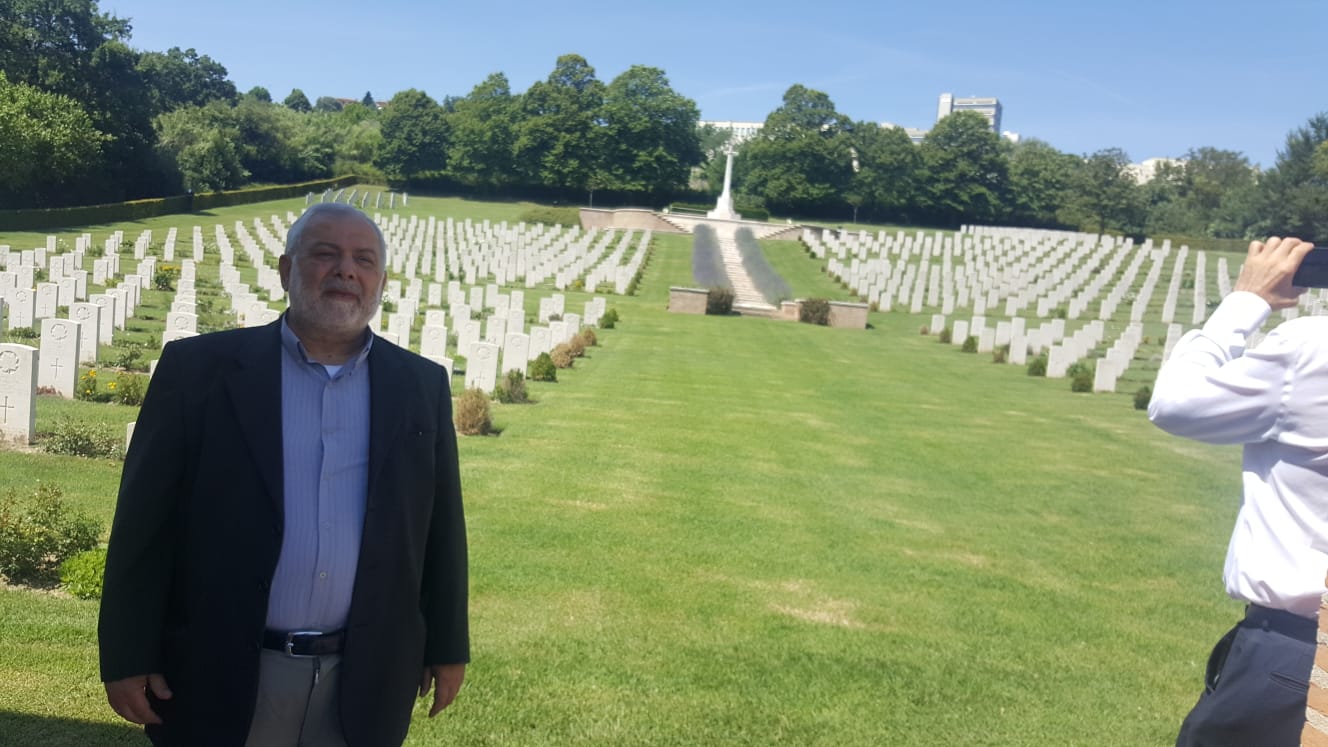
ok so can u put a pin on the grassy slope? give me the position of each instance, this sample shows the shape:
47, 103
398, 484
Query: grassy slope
739, 531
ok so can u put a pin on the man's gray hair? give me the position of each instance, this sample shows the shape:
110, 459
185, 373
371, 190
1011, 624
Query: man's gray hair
339, 209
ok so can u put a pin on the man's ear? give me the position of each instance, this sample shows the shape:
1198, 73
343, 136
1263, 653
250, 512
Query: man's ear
284, 269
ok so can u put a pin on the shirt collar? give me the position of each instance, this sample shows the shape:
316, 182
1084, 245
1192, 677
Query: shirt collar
292, 344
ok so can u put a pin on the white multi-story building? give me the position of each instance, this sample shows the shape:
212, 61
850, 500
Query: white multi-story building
742, 131
989, 107
1144, 171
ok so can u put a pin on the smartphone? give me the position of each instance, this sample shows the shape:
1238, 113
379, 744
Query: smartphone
1313, 270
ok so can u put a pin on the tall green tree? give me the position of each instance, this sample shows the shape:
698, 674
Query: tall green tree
47, 141
297, 101
802, 161
184, 78
1105, 195
327, 105
482, 129
414, 136
965, 174
1296, 188
369, 101
558, 141
885, 172
260, 93
1041, 179
200, 142
650, 138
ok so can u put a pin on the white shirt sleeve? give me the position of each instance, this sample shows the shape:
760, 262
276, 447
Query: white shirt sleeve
1212, 389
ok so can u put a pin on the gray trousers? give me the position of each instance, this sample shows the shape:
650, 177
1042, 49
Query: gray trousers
297, 702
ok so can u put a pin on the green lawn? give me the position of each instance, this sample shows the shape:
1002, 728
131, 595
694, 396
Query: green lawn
739, 531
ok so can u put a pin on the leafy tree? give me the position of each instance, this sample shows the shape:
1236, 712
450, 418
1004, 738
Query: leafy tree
802, 161
414, 136
260, 93
482, 134
885, 175
297, 101
1296, 188
1105, 196
201, 143
46, 142
558, 142
804, 110
1040, 183
965, 174
369, 102
649, 135
184, 78
327, 104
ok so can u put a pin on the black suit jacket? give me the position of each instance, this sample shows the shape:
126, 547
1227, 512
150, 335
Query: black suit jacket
198, 529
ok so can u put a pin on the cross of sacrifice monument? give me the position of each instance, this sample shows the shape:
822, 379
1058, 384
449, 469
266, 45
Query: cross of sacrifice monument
724, 206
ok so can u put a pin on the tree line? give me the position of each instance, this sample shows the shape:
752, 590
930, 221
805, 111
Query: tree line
84, 118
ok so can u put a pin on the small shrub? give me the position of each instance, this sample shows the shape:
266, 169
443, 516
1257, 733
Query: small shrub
609, 319
74, 438
577, 346
1038, 365
1142, 397
946, 336
89, 388
815, 311
1000, 354
542, 368
1081, 377
970, 344
924, 331
472, 413
562, 356
164, 278
512, 389
128, 389
81, 574
719, 301
555, 317
588, 337
128, 357
24, 333
38, 532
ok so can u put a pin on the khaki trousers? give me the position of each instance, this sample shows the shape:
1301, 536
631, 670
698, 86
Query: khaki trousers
297, 702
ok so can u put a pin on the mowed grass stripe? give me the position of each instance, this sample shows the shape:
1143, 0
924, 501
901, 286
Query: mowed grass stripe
741, 531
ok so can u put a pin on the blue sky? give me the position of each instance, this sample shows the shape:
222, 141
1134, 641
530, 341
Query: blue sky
1154, 78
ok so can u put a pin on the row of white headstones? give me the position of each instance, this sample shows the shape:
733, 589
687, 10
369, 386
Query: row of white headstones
991, 277
492, 345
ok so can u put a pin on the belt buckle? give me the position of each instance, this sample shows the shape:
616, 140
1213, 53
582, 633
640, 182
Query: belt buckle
290, 642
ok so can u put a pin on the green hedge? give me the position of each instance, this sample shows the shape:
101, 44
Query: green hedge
52, 218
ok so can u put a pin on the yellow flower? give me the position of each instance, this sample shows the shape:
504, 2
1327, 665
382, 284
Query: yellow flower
93, 374
111, 385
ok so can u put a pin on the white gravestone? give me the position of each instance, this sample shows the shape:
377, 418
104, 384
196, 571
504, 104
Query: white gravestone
59, 356
88, 318
21, 307
433, 340
482, 367
18, 392
516, 352
539, 341
467, 334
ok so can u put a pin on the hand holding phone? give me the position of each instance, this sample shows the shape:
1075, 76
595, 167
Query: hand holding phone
1313, 270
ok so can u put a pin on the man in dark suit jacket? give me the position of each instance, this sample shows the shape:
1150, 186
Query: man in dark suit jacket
252, 494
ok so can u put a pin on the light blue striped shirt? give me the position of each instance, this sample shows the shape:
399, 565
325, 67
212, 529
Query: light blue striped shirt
325, 458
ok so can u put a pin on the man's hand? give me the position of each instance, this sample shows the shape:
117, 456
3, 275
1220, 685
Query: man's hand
129, 697
446, 681
1268, 270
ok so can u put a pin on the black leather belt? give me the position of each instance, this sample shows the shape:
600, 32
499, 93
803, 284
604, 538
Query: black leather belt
304, 642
